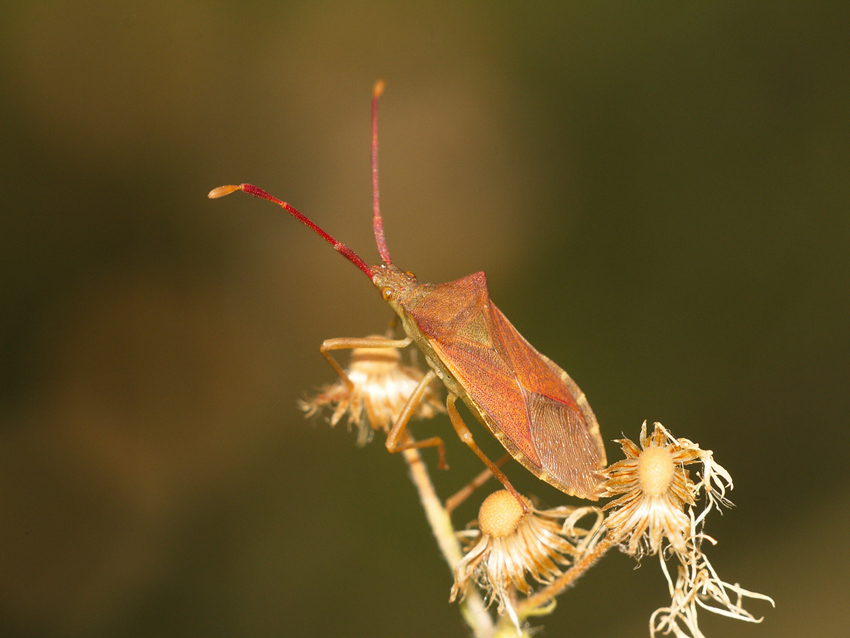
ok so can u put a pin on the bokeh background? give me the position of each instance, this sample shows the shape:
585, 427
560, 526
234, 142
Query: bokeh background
660, 195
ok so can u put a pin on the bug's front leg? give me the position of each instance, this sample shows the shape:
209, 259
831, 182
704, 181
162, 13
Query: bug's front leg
466, 436
351, 343
394, 438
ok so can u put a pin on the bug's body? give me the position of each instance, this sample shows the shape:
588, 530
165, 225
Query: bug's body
529, 403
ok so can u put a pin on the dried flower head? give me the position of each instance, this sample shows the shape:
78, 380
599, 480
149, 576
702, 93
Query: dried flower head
657, 493
378, 390
658, 501
511, 545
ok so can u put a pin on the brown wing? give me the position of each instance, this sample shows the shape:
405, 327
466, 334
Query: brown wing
525, 400
564, 430
491, 387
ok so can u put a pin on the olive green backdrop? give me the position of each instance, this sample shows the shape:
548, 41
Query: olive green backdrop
659, 193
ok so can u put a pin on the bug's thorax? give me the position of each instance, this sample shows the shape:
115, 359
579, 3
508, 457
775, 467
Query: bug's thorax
428, 311
406, 295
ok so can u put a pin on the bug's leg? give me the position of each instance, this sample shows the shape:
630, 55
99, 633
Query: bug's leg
348, 343
394, 438
466, 436
463, 493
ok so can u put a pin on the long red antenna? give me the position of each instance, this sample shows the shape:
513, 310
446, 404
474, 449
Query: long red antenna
377, 221
341, 248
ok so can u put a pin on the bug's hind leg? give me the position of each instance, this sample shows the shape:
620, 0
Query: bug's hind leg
466, 436
464, 493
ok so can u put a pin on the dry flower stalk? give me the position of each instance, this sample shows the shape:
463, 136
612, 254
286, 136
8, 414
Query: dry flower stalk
698, 586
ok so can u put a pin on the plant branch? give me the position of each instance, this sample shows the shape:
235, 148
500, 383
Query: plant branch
527, 606
473, 609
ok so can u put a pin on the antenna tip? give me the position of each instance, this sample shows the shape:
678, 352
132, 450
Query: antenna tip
221, 191
380, 85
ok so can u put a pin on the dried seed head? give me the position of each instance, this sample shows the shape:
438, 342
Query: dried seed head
655, 470
500, 514
657, 501
511, 546
380, 387
654, 490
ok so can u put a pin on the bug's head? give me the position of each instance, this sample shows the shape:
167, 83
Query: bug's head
394, 285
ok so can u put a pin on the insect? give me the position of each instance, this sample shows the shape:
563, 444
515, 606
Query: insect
524, 399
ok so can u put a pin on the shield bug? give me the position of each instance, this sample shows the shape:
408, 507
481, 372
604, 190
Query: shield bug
527, 402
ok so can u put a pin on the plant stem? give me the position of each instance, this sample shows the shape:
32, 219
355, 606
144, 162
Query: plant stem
566, 579
472, 608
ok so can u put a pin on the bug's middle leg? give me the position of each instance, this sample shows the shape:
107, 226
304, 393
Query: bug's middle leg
394, 438
466, 436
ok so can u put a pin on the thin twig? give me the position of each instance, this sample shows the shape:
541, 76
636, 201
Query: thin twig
473, 608
566, 579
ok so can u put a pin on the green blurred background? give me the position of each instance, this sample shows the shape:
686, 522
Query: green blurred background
659, 194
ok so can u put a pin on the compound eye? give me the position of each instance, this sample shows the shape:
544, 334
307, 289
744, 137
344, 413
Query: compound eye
410, 274
387, 293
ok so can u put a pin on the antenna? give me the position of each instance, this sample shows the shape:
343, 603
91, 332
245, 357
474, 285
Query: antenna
341, 248
377, 221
